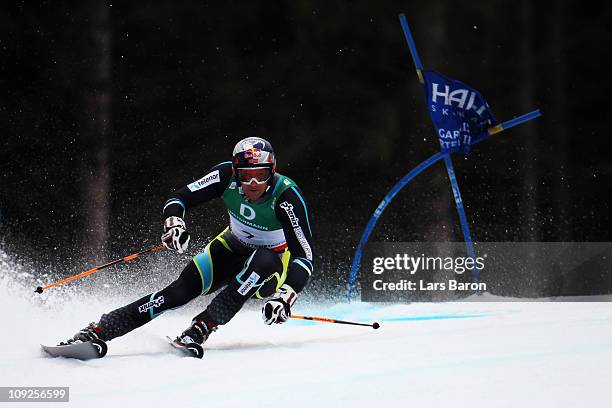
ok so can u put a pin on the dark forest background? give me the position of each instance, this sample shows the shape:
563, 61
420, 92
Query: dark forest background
106, 107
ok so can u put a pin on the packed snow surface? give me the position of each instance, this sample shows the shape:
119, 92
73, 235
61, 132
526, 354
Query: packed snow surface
469, 354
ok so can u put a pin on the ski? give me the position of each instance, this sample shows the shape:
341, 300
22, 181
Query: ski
189, 349
81, 351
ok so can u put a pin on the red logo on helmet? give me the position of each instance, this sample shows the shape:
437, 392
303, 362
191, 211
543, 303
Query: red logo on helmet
252, 155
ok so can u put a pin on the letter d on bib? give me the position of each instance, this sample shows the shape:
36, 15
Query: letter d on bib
247, 212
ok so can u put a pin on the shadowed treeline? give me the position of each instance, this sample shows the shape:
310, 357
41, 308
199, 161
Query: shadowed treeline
107, 108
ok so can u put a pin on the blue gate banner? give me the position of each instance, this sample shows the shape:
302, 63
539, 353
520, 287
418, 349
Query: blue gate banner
460, 114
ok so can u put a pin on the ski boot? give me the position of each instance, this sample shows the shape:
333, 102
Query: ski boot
194, 337
84, 345
90, 333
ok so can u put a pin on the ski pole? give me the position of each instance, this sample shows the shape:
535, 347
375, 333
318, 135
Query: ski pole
128, 258
374, 325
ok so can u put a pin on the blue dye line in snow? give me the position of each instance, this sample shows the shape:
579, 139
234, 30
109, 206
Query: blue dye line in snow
433, 317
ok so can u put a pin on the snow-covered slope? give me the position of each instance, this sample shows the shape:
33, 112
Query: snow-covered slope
472, 354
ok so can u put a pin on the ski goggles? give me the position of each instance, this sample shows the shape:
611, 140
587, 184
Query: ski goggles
260, 175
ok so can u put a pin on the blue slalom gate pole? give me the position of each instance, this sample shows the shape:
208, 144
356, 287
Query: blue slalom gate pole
514, 122
379, 210
465, 226
446, 155
413, 50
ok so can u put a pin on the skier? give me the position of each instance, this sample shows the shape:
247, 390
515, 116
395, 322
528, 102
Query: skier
265, 252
